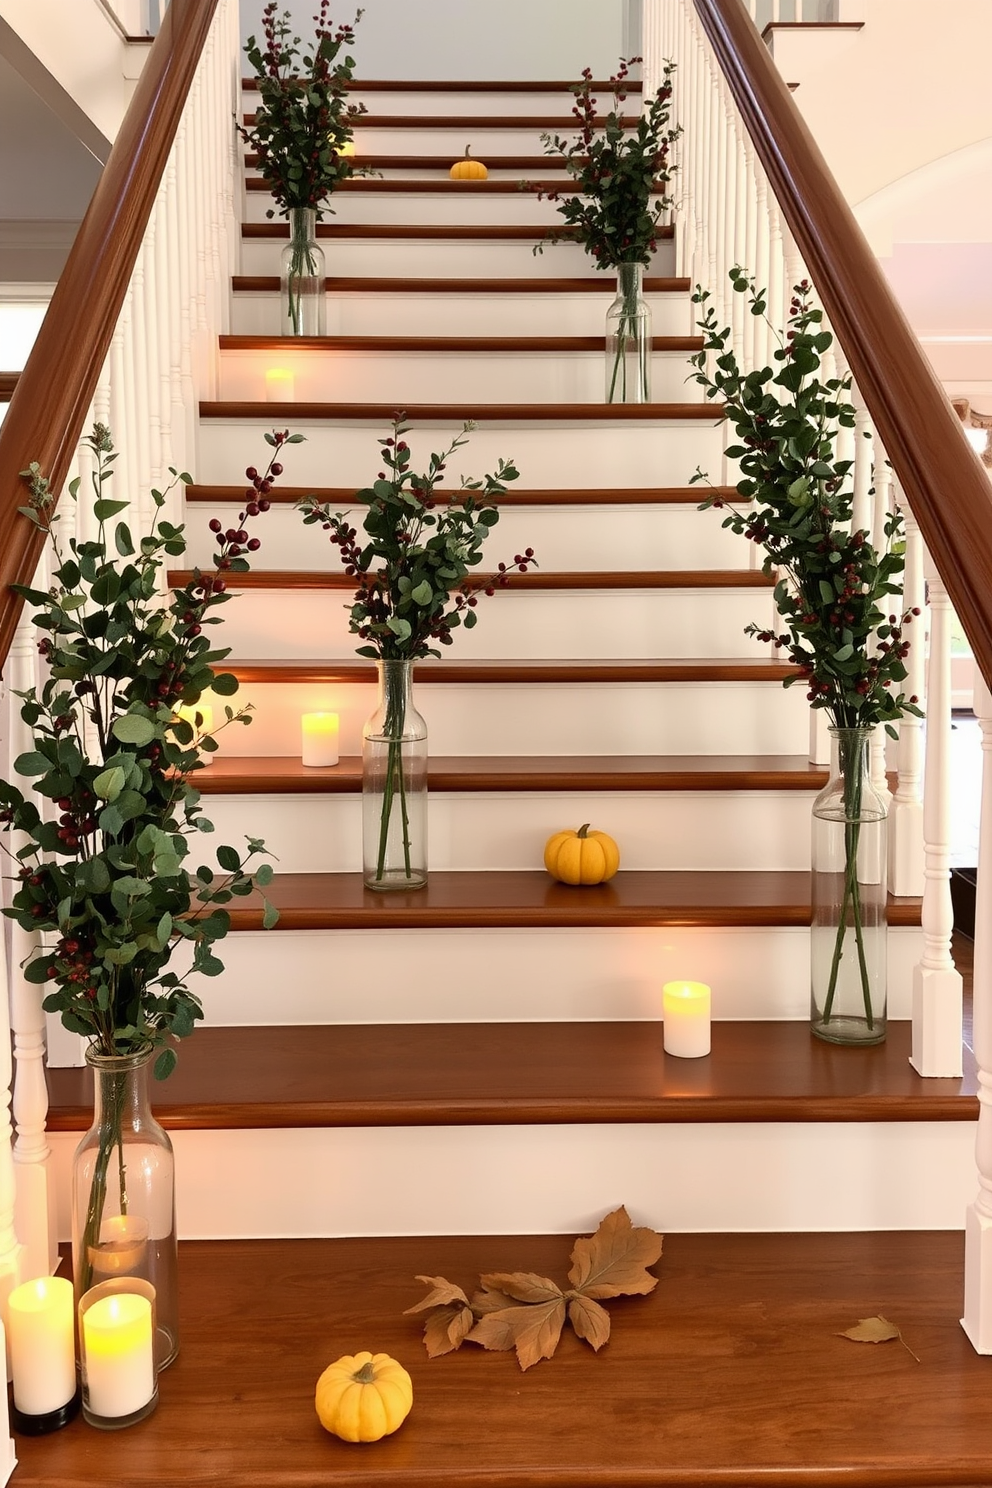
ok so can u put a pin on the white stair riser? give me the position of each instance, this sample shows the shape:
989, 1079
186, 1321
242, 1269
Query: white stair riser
468, 258
545, 718
436, 376
583, 975
580, 538
547, 454
562, 1179
472, 832
471, 103
450, 140
458, 205
468, 314
567, 624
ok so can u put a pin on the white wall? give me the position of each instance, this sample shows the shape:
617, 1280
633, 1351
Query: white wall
473, 39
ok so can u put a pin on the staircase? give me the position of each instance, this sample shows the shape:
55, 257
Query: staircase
482, 1061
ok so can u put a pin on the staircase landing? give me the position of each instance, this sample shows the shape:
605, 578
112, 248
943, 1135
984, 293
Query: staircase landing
731, 1372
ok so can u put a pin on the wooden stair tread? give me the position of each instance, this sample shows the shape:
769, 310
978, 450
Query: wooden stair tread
458, 85
702, 578
460, 344
524, 670
559, 123
531, 898
477, 413
708, 1382
381, 160
469, 231
280, 774
614, 496
434, 1074
491, 186
604, 284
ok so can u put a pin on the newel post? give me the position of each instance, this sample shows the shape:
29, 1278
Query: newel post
977, 1320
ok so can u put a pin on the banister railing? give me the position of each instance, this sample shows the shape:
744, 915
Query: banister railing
779, 213
54, 392
942, 479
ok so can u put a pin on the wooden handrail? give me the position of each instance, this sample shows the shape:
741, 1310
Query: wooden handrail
55, 390
947, 489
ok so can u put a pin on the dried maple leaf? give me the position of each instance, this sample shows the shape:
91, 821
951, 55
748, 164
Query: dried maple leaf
613, 1262
533, 1329
523, 1286
876, 1330
489, 1301
590, 1321
451, 1317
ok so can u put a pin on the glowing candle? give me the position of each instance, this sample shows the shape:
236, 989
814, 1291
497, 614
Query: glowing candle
122, 1248
200, 717
347, 149
686, 1010
118, 1362
280, 385
320, 738
42, 1353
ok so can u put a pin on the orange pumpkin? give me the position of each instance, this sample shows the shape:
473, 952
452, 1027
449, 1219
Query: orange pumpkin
468, 170
581, 857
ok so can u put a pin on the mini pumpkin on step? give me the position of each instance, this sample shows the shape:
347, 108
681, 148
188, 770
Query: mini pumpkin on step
363, 1397
581, 857
468, 169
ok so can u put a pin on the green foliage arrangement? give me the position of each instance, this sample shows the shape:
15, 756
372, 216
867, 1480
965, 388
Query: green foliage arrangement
106, 881
413, 568
303, 117
833, 582
620, 174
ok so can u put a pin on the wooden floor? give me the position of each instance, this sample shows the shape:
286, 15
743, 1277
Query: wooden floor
730, 1373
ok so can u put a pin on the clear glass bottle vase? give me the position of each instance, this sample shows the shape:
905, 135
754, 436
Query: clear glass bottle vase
849, 898
302, 280
394, 785
123, 1194
628, 339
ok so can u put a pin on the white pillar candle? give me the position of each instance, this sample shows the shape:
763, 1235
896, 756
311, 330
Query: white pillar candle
686, 1010
42, 1346
118, 1361
320, 738
280, 385
122, 1249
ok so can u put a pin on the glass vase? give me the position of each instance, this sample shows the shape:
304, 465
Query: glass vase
394, 785
628, 339
849, 890
302, 282
123, 1194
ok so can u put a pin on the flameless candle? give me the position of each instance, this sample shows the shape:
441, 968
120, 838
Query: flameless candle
320, 738
116, 1337
42, 1354
188, 713
122, 1249
280, 385
686, 1010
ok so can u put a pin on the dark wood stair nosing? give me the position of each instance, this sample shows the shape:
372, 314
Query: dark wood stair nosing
605, 285
675, 579
348, 670
477, 413
456, 231
458, 85
459, 344
615, 496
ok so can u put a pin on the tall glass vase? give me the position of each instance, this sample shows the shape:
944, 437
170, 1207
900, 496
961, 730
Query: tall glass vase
123, 1194
394, 785
302, 281
849, 926
628, 339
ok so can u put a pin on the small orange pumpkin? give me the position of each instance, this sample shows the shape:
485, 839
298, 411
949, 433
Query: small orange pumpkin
581, 857
468, 170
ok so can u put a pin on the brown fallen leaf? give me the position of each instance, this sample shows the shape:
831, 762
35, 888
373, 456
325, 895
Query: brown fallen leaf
876, 1330
590, 1321
524, 1311
533, 1329
612, 1263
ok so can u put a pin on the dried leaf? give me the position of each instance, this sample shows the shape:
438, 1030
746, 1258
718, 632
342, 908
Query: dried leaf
612, 1263
590, 1321
447, 1328
876, 1330
442, 1291
533, 1329
524, 1286
489, 1301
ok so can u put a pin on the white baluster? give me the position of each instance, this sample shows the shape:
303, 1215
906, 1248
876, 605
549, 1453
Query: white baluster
977, 1320
11, 1252
906, 854
762, 340
937, 993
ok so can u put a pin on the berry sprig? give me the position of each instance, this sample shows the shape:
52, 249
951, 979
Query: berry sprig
414, 586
